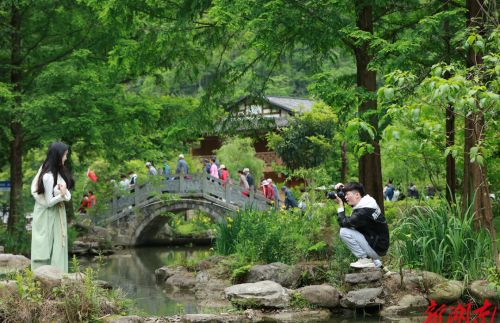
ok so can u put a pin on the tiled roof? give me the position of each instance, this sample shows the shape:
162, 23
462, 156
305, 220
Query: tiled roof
291, 104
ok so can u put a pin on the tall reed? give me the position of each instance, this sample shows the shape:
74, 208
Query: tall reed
442, 239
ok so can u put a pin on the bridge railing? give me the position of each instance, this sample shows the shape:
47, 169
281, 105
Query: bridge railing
200, 186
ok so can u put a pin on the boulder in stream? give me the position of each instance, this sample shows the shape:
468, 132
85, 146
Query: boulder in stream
261, 294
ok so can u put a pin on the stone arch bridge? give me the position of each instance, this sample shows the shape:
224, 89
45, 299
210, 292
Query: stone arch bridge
135, 216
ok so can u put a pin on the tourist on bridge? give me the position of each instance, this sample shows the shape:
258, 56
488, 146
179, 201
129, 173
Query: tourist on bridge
206, 165
182, 166
132, 179
50, 188
243, 183
151, 169
166, 169
268, 190
224, 175
214, 171
276, 193
250, 181
290, 201
124, 182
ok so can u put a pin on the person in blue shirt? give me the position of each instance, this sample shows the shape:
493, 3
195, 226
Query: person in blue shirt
290, 200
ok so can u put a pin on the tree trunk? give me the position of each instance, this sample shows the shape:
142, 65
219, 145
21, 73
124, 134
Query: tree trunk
370, 166
451, 177
475, 175
343, 167
16, 144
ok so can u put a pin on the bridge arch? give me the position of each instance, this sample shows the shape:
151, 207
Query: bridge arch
151, 220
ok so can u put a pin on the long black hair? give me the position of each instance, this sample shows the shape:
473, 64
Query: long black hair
53, 164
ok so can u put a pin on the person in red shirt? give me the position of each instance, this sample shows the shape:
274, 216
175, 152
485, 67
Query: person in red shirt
92, 199
224, 174
84, 204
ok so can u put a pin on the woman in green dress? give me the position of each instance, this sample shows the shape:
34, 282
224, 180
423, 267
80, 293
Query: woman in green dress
50, 188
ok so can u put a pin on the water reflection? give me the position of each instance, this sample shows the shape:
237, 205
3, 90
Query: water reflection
133, 271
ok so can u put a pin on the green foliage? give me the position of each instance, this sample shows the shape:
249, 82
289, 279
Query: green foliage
297, 301
17, 241
80, 300
308, 140
198, 225
238, 153
441, 240
269, 236
239, 273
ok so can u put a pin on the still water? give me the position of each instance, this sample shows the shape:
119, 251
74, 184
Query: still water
133, 271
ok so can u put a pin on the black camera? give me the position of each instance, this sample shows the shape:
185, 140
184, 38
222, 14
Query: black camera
339, 192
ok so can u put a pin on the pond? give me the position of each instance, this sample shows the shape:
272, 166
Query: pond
133, 270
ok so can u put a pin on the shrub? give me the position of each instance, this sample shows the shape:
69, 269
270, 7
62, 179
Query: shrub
268, 236
73, 301
17, 241
441, 240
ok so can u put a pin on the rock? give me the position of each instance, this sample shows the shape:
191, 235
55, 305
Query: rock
482, 289
79, 248
211, 293
73, 277
285, 275
109, 308
10, 263
364, 277
182, 280
123, 319
49, 277
213, 318
307, 315
261, 294
366, 297
163, 273
320, 295
392, 282
7, 287
1, 249
202, 277
408, 304
103, 284
447, 292
431, 279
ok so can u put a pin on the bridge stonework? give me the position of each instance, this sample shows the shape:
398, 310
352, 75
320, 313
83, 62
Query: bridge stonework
136, 217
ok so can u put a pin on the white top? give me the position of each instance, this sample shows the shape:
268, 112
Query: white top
53, 194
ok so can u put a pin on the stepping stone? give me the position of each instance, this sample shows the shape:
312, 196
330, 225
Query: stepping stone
363, 277
366, 297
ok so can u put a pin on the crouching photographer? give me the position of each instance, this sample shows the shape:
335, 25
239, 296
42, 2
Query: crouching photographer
365, 232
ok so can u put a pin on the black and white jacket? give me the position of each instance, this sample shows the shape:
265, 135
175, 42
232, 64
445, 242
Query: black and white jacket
367, 218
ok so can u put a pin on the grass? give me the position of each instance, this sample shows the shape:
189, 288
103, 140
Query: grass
441, 240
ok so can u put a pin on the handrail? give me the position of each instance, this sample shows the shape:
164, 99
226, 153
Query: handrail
200, 185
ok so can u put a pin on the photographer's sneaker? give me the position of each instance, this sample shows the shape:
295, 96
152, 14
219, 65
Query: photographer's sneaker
378, 263
363, 263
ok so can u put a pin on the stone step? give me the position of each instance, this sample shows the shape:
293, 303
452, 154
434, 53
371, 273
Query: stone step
366, 297
364, 277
